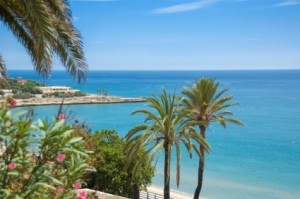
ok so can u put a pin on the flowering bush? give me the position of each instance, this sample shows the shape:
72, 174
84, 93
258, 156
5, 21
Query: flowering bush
39, 159
9, 103
12, 102
61, 116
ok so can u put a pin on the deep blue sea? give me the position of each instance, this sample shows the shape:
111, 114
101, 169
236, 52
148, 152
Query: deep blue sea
259, 160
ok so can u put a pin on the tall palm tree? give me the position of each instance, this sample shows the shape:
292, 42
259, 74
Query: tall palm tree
204, 104
45, 28
164, 128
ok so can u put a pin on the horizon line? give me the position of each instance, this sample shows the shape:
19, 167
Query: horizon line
264, 69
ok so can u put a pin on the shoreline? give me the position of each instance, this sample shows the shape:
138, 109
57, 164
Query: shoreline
89, 99
173, 193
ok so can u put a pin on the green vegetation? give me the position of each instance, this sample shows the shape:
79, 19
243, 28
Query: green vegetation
204, 104
29, 86
21, 91
170, 122
45, 28
79, 94
65, 94
109, 161
166, 127
39, 159
122, 166
22, 96
29, 89
4, 83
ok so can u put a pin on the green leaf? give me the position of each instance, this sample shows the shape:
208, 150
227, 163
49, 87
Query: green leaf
18, 197
57, 125
53, 179
74, 140
40, 123
13, 173
45, 185
18, 114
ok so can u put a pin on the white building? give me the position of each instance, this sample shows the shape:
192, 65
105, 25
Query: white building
7, 92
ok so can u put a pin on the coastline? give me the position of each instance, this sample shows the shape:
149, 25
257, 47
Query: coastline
89, 99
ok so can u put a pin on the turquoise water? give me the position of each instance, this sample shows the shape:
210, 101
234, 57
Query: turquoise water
260, 160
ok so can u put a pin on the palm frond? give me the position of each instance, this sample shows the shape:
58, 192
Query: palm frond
3, 72
221, 107
45, 28
223, 100
235, 121
165, 125
135, 130
201, 141
217, 96
197, 150
189, 146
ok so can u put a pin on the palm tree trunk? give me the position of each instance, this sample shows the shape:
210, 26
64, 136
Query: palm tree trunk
167, 171
201, 165
136, 191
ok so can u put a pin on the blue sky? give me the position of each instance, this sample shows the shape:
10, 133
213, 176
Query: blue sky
180, 35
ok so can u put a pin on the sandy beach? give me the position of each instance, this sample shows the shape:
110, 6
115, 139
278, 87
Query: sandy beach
174, 194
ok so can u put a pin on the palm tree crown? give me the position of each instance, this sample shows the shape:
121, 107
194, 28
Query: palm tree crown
45, 28
164, 128
204, 104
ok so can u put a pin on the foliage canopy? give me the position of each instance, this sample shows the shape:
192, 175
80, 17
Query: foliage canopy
109, 160
165, 127
45, 28
39, 159
204, 104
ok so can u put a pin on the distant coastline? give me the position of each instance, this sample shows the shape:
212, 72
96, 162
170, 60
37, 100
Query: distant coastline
28, 92
89, 99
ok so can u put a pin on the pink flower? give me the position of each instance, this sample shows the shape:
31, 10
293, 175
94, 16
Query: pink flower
12, 102
60, 157
77, 185
12, 165
60, 190
61, 116
82, 195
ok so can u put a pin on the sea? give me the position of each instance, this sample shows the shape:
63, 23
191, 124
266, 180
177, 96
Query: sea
258, 160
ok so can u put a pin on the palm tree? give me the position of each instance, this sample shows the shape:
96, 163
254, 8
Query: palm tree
164, 128
45, 28
204, 104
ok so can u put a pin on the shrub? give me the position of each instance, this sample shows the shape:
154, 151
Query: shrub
29, 87
61, 94
65, 94
109, 160
22, 96
79, 94
39, 159
3, 83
